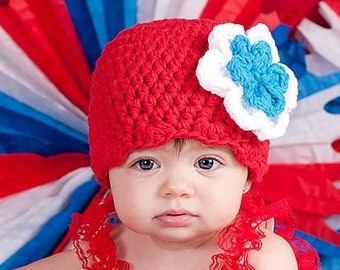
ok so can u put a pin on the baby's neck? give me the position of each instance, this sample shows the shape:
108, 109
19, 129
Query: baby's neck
145, 252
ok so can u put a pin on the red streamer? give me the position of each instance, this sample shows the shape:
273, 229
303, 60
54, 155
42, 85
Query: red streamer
46, 34
311, 193
27, 170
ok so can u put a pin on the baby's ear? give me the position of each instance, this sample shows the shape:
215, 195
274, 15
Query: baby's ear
247, 186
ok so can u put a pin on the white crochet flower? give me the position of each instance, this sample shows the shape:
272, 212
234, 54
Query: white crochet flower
244, 69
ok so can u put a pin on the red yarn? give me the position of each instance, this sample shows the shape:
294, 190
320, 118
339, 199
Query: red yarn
145, 93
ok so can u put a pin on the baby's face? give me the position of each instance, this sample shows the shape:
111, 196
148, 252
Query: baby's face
178, 195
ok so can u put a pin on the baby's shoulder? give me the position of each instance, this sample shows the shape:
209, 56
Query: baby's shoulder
275, 251
62, 260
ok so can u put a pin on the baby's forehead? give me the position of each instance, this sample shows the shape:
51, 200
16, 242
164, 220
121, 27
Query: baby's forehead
178, 145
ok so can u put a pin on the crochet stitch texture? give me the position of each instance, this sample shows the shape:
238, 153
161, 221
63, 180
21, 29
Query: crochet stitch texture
264, 83
243, 67
148, 73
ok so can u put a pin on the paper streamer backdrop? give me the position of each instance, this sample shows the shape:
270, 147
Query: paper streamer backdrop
48, 50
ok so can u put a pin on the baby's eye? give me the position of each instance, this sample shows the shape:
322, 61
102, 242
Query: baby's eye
145, 164
207, 163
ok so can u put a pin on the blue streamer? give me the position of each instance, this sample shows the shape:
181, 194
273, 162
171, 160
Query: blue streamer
130, 11
114, 14
85, 29
291, 53
330, 263
53, 231
23, 129
96, 10
310, 84
323, 247
99, 21
333, 106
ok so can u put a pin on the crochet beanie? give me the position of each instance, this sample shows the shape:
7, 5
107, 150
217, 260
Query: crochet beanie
156, 82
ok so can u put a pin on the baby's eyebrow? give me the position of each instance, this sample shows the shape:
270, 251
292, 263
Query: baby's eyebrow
212, 147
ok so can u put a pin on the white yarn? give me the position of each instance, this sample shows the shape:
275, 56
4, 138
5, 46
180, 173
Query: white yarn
215, 78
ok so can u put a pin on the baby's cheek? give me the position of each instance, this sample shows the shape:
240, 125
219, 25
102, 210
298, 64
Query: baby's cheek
228, 212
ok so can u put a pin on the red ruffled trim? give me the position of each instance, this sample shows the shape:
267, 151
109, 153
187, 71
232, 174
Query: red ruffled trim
96, 250
245, 234
91, 237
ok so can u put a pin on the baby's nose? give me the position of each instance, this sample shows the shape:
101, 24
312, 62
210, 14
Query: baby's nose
177, 185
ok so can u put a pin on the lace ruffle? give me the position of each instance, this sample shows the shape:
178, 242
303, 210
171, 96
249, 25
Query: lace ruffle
96, 250
91, 237
245, 234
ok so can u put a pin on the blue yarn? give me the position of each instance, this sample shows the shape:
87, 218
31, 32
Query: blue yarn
264, 84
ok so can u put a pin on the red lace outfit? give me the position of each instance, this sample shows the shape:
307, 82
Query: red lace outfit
96, 250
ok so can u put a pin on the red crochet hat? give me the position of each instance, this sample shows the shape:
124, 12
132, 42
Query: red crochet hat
145, 93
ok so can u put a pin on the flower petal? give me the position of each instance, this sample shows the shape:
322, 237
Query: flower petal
244, 69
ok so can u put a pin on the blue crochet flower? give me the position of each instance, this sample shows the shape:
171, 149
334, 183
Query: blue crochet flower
264, 83
244, 69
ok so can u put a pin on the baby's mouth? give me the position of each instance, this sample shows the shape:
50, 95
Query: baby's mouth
178, 218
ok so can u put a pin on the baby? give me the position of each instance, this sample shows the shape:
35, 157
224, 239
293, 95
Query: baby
180, 119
